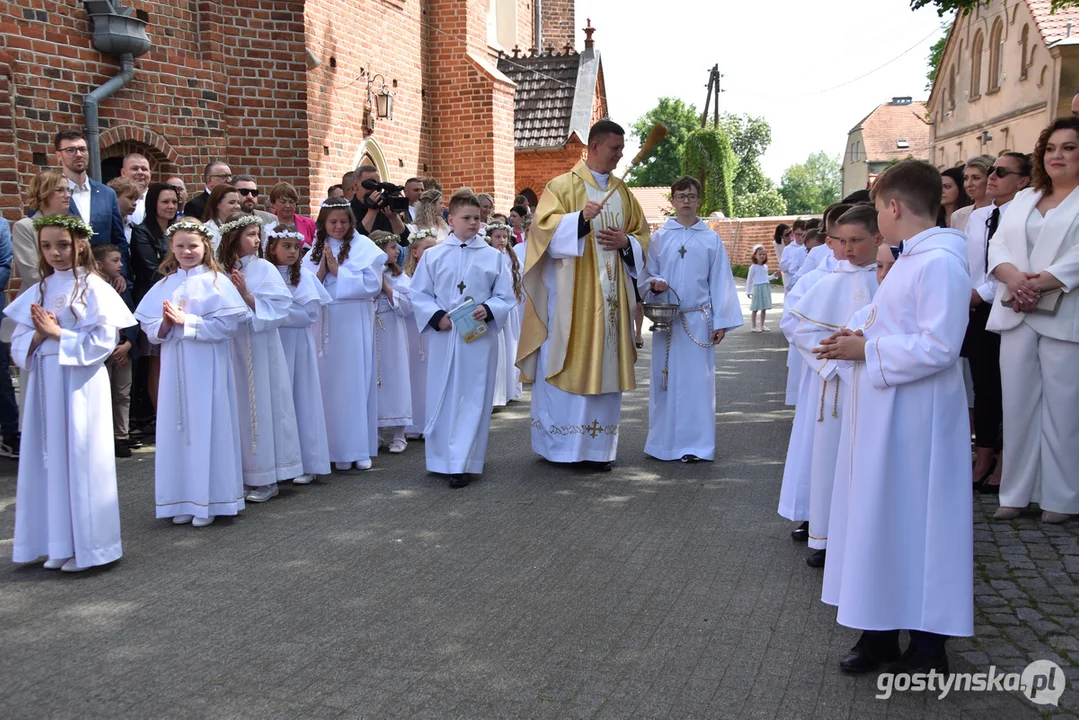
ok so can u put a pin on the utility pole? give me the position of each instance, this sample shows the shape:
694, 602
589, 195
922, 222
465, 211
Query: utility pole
714, 89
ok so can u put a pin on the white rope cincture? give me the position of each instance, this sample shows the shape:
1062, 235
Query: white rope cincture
181, 390
251, 394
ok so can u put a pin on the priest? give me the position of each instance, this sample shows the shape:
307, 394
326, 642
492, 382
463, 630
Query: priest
585, 251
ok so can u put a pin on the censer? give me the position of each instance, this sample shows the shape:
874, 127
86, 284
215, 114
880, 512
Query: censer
660, 313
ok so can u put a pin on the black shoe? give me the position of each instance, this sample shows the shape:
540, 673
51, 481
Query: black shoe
690, 459
815, 559
911, 663
983, 481
9, 447
133, 444
122, 450
458, 481
801, 533
872, 650
594, 466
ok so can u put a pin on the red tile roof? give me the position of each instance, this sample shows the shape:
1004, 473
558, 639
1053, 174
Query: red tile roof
1054, 25
882, 128
656, 203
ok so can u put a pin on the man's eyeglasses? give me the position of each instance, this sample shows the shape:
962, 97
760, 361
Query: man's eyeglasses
686, 197
226, 177
1003, 172
72, 151
248, 191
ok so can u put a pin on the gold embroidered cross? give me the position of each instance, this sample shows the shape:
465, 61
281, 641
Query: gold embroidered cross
594, 429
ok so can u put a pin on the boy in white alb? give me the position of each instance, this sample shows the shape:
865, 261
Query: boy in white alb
902, 556
688, 257
460, 373
827, 305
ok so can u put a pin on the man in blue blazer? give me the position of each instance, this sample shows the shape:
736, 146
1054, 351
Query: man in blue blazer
90, 200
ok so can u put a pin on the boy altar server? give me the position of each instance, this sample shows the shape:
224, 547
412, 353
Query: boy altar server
902, 556
460, 374
688, 257
829, 304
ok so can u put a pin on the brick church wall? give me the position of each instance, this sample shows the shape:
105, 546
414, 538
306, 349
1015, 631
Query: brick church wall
535, 168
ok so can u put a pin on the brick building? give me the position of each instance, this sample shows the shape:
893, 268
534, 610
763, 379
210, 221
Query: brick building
282, 90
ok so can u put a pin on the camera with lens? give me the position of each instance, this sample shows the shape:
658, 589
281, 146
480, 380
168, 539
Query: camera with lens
391, 196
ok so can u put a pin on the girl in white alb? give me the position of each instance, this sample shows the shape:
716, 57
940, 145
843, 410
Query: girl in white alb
498, 237
350, 266
192, 313
298, 341
393, 310
67, 326
270, 445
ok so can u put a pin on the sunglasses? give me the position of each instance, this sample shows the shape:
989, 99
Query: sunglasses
248, 191
1003, 172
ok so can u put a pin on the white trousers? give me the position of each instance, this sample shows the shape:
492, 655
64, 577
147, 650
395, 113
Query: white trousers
1041, 421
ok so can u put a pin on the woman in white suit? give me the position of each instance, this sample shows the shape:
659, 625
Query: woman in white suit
1035, 256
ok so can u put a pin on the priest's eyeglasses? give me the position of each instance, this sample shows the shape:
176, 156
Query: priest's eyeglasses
686, 197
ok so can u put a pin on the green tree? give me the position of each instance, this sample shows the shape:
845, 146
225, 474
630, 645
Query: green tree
763, 203
936, 54
965, 6
754, 194
665, 164
708, 157
811, 186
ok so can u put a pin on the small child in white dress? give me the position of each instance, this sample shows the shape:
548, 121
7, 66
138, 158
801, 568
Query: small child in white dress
759, 287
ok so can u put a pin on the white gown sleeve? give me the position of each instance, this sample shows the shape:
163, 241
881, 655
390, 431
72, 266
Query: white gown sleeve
808, 335
787, 321
565, 243
424, 302
212, 329
87, 347
726, 310
271, 309
359, 284
941, 310
21, 337
638, 257
1066, 268
301, 316
153, 328
402, 296
651, 270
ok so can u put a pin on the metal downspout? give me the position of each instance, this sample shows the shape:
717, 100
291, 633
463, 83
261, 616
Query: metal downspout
90, 107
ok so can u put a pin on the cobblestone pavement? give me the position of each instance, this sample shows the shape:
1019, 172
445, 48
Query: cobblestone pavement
657, 590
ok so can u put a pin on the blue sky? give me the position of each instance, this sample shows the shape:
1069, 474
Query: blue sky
781, 59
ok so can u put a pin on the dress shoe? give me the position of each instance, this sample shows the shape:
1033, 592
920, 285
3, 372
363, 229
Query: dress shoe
870, 652
182, 519
262, 494
815, 559
914, 662
342, 466
801, 533
988, 488
134, 444
459, 481
305, 479
596, 466
1007, 513
73, 567
398, 446
363, 464
121, 449
981, 482
690, 459
1055, 518
203, 522
55, 564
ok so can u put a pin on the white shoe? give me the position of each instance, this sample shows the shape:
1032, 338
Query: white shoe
305, 479
343, 466
56, 564
363, 464
182, 519
398, 446
72, 566
755, 330
203, 522
262, 494
764, 328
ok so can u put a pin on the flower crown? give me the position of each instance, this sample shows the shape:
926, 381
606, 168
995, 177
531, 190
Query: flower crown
286, 233
421, 234
189, 225
491, 227
242, 221
385, 239
335, 203
73, 224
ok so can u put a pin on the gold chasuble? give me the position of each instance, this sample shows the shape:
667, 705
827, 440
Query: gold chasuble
590, 333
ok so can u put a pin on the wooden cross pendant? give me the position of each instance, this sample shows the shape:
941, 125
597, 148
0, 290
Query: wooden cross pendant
461, 287
682, 251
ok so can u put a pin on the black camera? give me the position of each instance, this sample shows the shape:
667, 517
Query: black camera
391, 196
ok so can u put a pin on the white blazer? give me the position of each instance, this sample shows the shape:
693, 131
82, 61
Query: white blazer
1057, 251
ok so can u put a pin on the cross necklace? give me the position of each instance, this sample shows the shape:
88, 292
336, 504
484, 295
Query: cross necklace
682, 251
464, 269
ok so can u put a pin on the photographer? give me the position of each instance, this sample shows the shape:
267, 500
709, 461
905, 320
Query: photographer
373, 210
